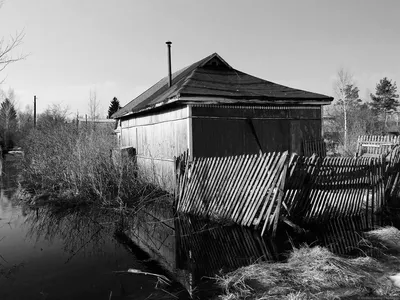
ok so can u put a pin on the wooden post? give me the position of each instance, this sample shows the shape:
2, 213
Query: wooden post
281, 190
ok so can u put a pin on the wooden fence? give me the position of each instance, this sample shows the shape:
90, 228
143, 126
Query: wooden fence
392, 176
258, 190
314, 147
369, 145
246, 189
321, 189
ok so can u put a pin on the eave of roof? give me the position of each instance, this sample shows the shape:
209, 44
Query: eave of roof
200, 84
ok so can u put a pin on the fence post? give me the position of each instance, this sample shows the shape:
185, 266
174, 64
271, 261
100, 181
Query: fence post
373, 170
176, 188
281, 190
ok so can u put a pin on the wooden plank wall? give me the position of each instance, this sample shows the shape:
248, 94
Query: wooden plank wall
157, 138
258, 190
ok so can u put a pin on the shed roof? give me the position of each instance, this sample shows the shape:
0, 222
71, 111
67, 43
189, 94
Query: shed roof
213, 80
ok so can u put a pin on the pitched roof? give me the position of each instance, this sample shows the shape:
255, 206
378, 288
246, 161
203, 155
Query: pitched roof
214, 78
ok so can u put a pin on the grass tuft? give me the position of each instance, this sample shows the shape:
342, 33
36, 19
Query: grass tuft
317, 273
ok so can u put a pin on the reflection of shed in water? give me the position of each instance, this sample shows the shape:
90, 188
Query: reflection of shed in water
214, 110
192, 249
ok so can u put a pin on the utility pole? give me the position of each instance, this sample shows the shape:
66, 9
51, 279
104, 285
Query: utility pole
77, 120
34, 111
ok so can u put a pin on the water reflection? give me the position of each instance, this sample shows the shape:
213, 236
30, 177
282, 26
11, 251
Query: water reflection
196, 249
208, 247
78, 230
59, 253
54, 253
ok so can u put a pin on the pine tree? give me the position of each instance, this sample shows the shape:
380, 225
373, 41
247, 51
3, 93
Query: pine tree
114, 106
8, 123
385, 98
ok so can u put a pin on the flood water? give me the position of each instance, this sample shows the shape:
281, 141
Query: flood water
49, 253
61, 253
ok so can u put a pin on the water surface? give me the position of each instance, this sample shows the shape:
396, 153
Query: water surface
53, 253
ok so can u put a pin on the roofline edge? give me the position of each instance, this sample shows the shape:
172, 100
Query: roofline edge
220, 100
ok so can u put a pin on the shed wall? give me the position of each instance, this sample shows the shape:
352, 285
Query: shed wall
157, 138
226, 130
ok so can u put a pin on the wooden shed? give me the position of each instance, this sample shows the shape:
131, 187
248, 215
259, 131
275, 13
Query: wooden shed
211, 109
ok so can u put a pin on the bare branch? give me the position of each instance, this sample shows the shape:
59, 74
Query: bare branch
6, 50
344, 78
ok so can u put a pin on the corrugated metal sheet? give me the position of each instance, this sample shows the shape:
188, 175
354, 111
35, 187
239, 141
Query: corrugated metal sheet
225, 137
265, 111
301, 130
219, 131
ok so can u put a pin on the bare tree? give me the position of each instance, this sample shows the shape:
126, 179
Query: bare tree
54, 115
341, 86
7, 49
94, 106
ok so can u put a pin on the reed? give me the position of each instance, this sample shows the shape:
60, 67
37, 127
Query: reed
63, 164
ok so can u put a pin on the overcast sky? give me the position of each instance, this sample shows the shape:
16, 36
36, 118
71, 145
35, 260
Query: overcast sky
118, 47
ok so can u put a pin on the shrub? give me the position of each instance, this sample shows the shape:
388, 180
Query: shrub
82, 165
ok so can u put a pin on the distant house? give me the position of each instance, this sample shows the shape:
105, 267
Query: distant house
107, 125
211, 109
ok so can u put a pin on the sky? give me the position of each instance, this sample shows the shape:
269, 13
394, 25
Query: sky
117, 48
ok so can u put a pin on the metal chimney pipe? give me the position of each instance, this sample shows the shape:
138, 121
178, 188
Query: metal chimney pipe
169, 64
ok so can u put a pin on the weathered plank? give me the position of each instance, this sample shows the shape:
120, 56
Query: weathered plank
255, 190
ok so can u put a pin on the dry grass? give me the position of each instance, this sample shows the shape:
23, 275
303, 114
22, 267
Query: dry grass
63, 165
316, 273
386, 238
